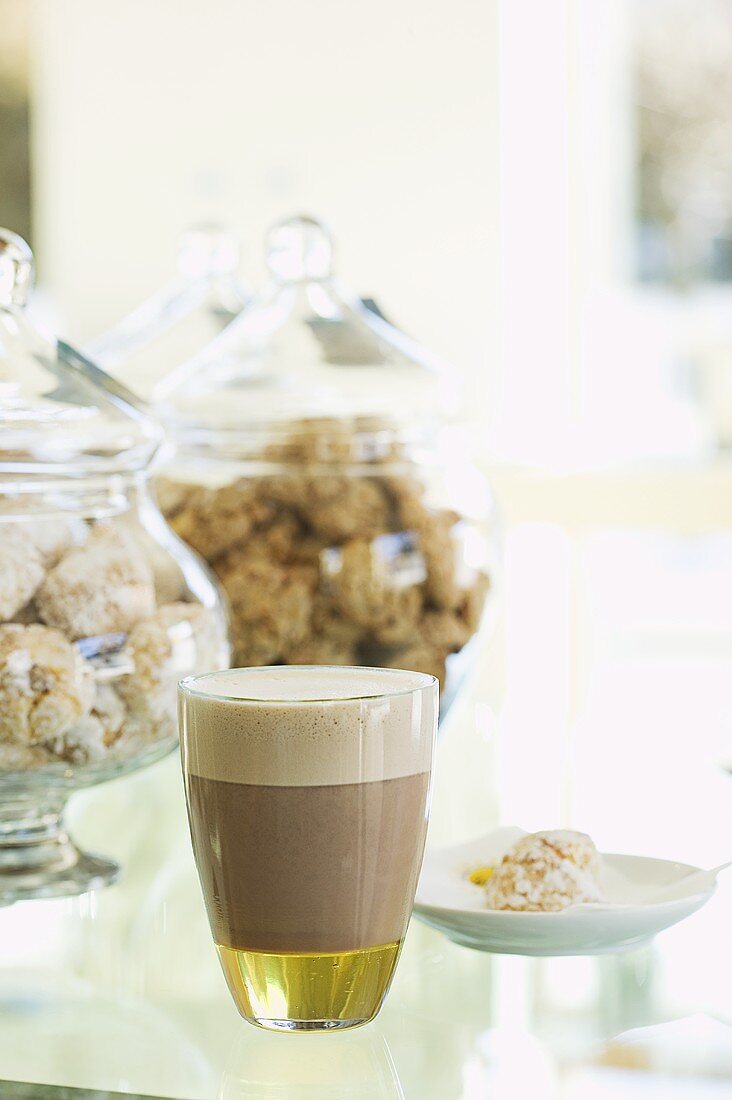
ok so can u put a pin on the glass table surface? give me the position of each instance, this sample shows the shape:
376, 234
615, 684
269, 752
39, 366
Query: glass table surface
121, 991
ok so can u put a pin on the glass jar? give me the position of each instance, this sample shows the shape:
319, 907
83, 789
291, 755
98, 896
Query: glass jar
102, 608
316, 470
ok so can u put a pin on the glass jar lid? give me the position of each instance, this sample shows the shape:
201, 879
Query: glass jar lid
182, 317
60, 416
302, 350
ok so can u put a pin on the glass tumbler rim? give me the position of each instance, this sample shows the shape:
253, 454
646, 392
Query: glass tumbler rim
421, 681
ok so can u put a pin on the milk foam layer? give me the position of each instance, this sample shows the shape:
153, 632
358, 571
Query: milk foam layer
307, 683
299, 726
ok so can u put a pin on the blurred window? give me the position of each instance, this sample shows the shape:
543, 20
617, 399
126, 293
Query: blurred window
683, 75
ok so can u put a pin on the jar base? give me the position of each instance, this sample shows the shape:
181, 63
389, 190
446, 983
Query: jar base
84, 873
38, 859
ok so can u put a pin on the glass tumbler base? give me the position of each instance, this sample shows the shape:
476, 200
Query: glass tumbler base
309, 991
306, 1025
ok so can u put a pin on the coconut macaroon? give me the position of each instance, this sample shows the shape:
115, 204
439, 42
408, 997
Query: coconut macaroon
546, 872
21, 569
162, 647
46, 686
89, 658
51, 536
104, 586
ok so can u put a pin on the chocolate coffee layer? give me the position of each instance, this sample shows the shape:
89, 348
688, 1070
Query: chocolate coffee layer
312, 868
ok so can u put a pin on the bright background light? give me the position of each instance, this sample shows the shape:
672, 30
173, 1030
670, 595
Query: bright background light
540, 193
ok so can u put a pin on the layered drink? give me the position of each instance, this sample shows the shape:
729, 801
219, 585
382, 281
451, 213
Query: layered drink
307, 793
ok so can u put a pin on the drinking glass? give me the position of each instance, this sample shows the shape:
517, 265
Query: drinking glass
307, 791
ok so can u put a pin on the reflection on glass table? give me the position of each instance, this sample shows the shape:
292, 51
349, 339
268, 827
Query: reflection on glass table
458, 1025
361, 1067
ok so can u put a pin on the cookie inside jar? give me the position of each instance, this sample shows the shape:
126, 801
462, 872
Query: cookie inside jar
311, 468
97, 625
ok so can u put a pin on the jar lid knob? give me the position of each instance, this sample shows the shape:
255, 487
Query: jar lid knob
299, 249
16, 269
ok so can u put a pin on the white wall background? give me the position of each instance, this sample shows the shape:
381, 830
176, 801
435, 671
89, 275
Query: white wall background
380, 118
473, 157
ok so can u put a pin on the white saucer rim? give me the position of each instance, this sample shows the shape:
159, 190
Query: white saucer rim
571, 910
562, 914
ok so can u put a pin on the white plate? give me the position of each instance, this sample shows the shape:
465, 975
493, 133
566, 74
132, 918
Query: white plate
446, 900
